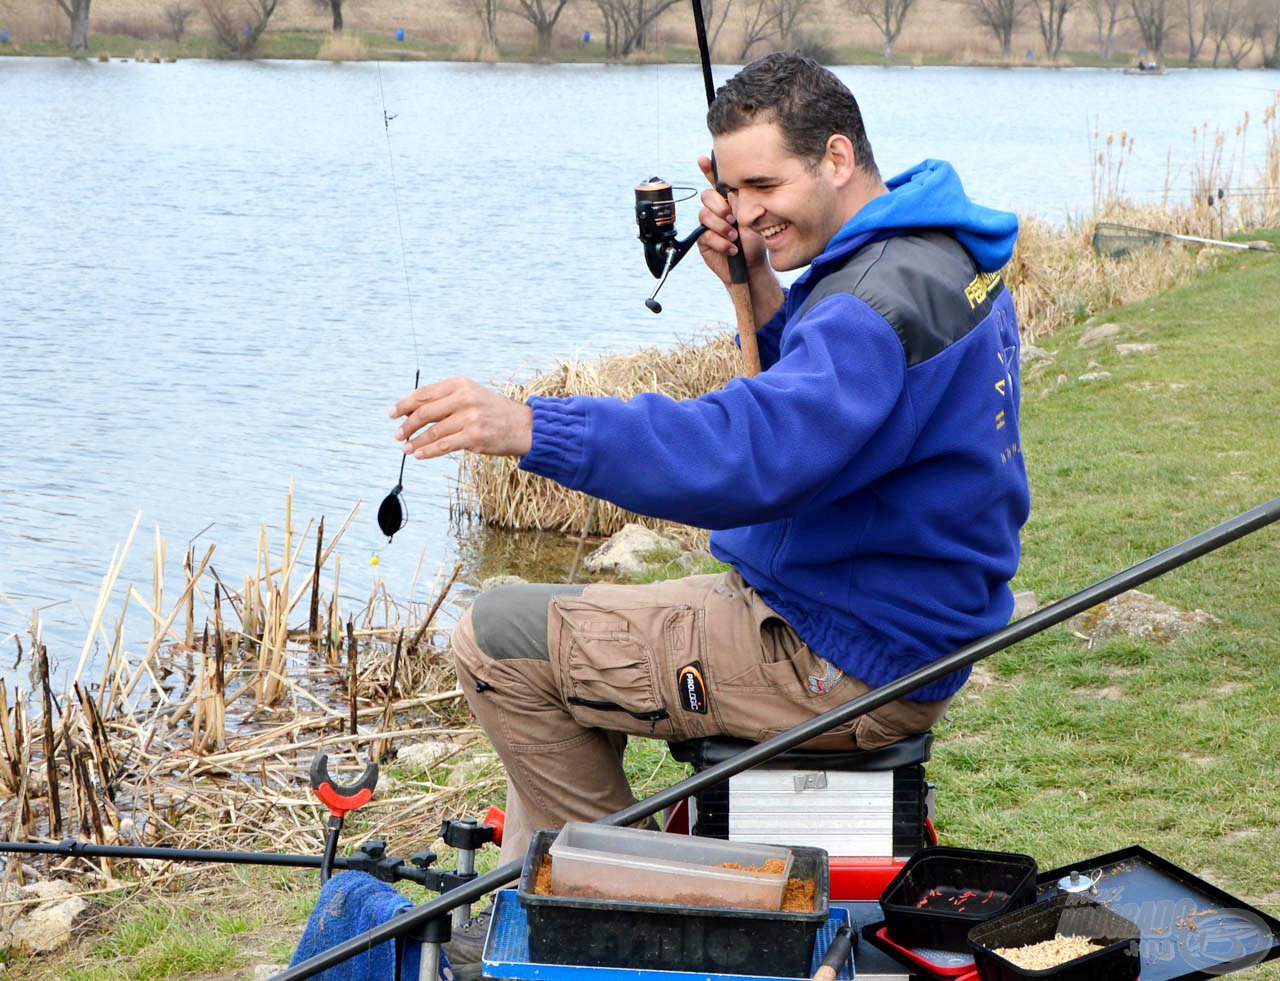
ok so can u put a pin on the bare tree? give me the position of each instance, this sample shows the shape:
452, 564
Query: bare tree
1000, 17
790, 15
486, 14
758, 27
1227, 19
1052, 15
1106, 15
771, 20
1264, 27
626, 22
177, 14
1152, 18
334, 7
238, 24
1195, 18
542, 14
889, 16
77, 12
716, 14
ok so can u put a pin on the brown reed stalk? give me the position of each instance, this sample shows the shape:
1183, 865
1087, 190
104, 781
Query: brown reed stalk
50, 761
335, 620
163, 630
80, 819
352, 656
313, 621
188, 560
9, 774
435, 607
219, 677
382, 749
113, 658
200, 705
157, 571
104, 594
90, 800
22, 809
100, 743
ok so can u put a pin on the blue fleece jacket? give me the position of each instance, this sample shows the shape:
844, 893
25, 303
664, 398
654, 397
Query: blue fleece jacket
874, 497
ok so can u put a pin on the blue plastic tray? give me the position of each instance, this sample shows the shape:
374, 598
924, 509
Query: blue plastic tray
506, 953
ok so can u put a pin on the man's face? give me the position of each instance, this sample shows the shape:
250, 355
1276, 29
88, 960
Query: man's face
790, 203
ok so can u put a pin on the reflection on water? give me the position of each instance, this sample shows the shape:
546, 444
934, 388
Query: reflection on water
203, 290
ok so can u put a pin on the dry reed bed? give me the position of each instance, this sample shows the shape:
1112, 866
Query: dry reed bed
1055, 277
205, 738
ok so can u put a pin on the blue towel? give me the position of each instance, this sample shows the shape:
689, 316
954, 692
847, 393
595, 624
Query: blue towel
349, 904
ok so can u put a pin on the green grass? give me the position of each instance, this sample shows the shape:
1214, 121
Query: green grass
162, 940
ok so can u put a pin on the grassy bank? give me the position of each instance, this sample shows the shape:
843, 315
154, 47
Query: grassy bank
1057, 748
1066, 750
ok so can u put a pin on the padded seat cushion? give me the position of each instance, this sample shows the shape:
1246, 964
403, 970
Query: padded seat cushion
703, 753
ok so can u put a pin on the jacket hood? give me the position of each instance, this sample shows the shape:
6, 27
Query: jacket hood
930, 195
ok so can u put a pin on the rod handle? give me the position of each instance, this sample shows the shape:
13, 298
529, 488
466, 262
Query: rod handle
837, 955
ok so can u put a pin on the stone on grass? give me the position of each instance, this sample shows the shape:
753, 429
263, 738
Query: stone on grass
1031, 354
1141, 616
1098, 334
1094, 376
493, 582
628, 550
1123, 349
47, 923
423, 756
1023, 604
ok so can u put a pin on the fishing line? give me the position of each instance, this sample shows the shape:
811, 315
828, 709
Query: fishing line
392, 512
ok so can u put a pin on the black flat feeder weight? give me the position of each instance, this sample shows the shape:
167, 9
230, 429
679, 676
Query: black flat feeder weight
393, 514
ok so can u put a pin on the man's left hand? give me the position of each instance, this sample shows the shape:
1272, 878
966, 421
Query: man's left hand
460, 414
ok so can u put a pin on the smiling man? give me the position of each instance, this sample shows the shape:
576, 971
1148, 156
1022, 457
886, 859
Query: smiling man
866, 488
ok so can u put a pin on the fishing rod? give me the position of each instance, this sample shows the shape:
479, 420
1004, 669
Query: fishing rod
364, 861
663, 249
1171, 558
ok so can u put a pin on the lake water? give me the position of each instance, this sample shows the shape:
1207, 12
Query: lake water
202, 285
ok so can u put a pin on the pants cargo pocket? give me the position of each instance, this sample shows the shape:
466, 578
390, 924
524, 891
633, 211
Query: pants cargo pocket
609, 678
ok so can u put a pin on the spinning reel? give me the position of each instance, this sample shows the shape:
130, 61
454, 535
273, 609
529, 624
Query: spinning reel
656, 217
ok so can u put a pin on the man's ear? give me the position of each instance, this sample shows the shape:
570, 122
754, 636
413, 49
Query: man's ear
841, 157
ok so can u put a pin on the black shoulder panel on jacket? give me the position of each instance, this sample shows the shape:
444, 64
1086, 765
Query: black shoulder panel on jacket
925, 284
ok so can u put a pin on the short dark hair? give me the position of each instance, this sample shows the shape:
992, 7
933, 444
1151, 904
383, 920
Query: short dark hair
806, 100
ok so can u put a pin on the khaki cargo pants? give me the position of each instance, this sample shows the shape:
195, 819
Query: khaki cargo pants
559, 676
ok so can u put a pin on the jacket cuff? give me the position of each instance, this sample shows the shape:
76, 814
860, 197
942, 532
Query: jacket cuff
559, 427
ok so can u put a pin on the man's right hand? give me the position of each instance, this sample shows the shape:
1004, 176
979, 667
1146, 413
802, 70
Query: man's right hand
723, 238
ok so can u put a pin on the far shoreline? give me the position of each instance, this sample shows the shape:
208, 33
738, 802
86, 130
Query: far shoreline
355, 46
